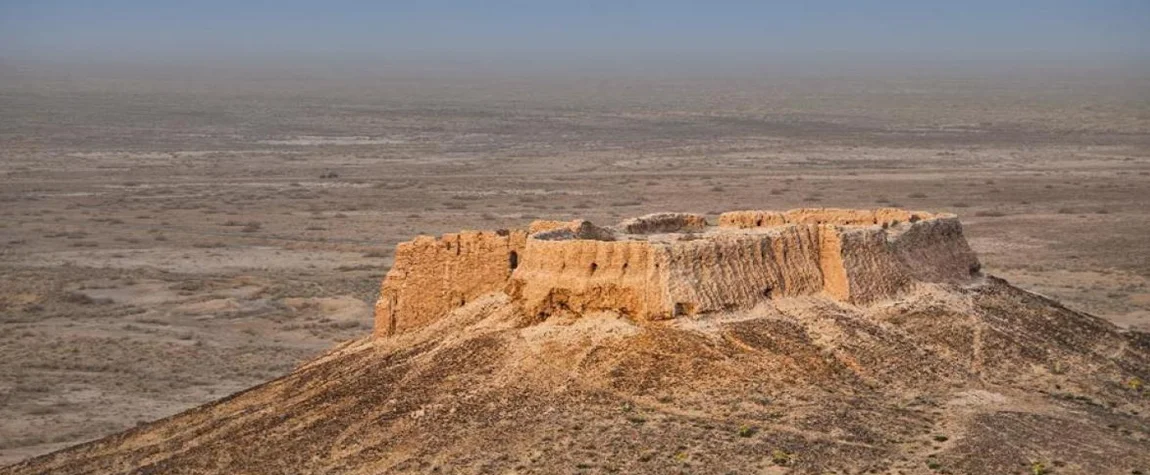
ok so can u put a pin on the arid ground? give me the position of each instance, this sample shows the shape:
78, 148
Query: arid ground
171, 235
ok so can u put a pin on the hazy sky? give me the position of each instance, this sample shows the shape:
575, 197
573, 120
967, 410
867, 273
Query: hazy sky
118, 29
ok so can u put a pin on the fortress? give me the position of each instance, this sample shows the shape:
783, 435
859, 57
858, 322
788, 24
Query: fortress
671, 265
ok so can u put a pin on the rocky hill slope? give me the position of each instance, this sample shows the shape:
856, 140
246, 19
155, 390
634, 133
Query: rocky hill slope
889, 353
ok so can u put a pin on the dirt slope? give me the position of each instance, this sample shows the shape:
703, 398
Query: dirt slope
984, 378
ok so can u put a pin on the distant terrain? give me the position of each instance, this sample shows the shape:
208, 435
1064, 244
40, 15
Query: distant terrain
172, 235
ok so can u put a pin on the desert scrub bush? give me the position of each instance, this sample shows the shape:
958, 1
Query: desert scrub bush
1135, 383
782, 457
992, 213
747, 431
345, 324
636, 418
79, 298
354, 268
188, 286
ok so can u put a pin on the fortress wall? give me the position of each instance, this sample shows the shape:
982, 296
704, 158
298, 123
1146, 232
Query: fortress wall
544, 225
831, 216
431, 276
834, 273
751, 219
936, 251
872, 270
664, 223
876, 263
849, 217
572, 230
857, 256
588, 275
741, 270
893, 215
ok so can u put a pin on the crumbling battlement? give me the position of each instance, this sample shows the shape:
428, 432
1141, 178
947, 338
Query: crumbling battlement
664, 223
852, 217
669, 265
431, 277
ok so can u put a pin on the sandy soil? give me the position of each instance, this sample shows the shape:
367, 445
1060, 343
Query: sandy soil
168, 239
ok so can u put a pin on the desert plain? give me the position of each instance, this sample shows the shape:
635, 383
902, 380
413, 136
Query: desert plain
172, 234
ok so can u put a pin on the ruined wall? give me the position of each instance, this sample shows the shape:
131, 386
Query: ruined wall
586, 275
671, 264
578, 229
834, 273
431, 276
848, 217
738, 271
870, 255
936, 251
664, 223
751, 219
872, 271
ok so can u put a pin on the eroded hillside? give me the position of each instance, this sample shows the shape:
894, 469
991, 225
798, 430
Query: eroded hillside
949, 371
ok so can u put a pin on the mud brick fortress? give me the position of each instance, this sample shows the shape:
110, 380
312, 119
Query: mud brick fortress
671, 265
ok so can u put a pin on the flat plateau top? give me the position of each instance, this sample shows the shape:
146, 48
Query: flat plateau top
669, 227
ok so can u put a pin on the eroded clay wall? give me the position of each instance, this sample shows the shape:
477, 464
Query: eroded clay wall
869, 263
751, 219
431, 276
835, 281
936, 251
587, 275
874, 263
738, 271
849, 217
857, 256
664, 223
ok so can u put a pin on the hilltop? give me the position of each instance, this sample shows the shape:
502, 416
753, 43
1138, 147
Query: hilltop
813, 340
